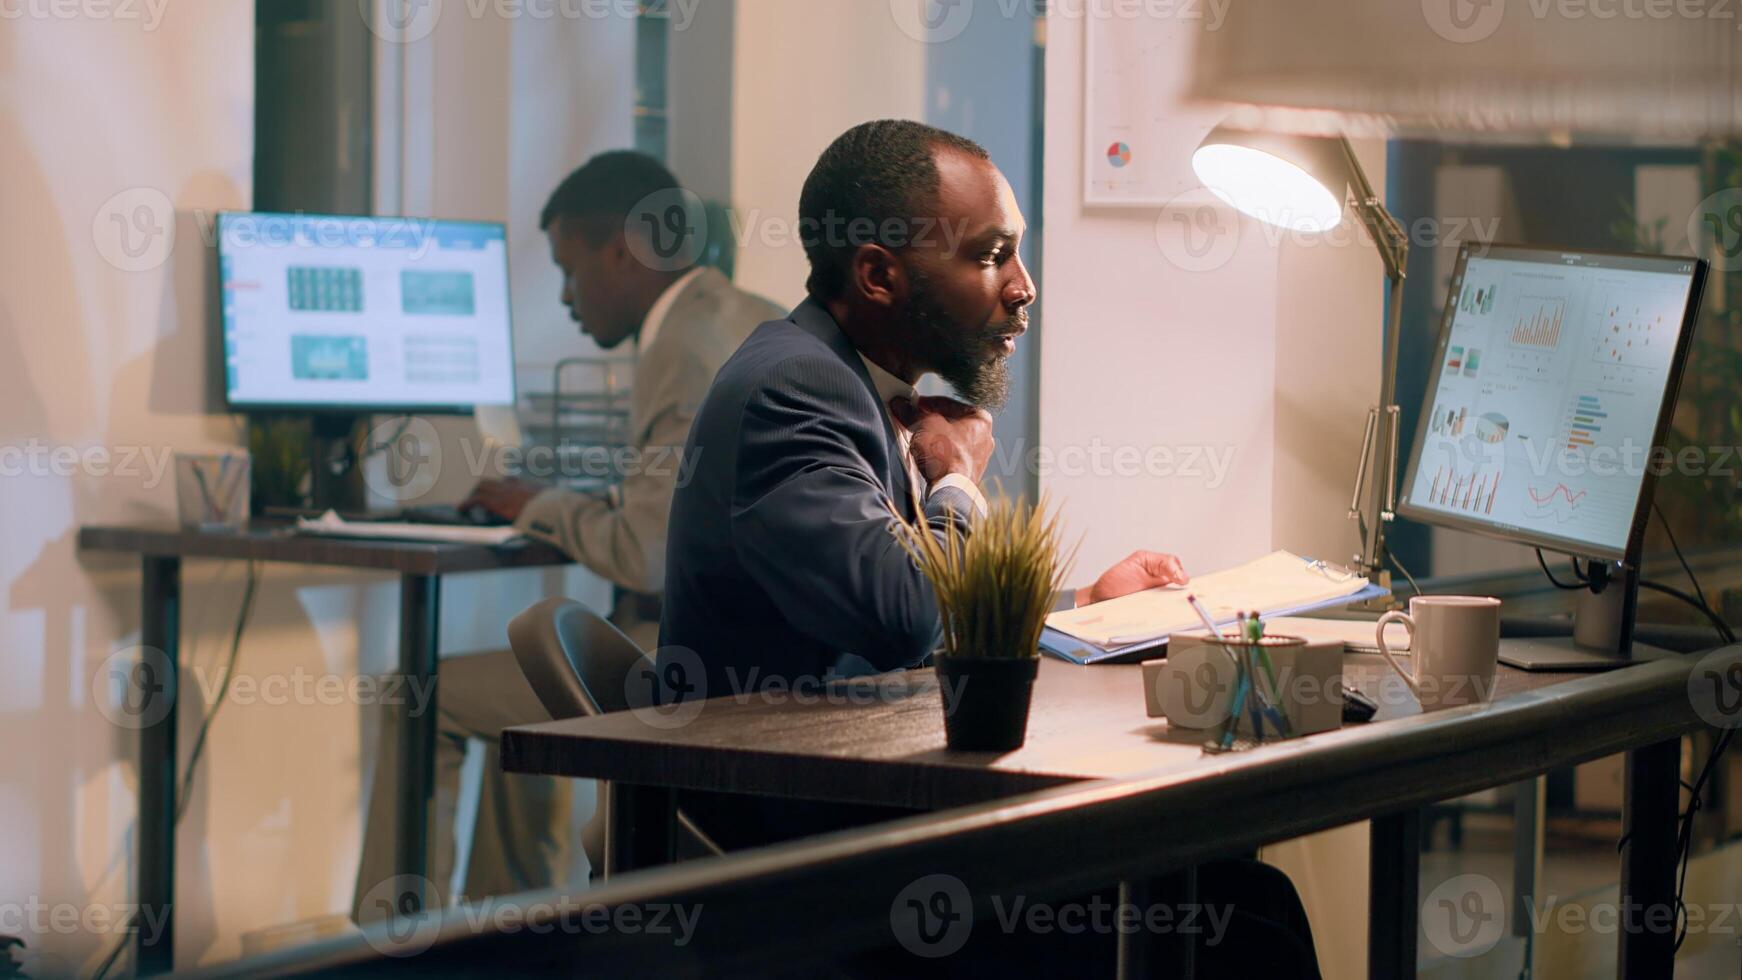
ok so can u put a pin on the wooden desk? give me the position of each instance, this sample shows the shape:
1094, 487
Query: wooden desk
420, 566
880, 740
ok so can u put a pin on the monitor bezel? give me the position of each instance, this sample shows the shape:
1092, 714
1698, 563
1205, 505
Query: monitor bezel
1630, 552
334, 408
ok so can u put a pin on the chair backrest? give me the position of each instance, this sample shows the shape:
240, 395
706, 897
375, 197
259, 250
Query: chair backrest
576, 662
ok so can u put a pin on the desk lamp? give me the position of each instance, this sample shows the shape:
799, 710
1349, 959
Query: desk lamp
1300, 183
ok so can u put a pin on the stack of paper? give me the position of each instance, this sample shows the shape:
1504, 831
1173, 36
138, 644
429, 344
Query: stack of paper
332, 524
1277, 584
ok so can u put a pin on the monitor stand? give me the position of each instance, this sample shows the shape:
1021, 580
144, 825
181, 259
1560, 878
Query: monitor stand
335, 476
1602, 630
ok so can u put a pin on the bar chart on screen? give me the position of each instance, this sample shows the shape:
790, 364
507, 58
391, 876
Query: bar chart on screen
1585, 422
1539, 322
1449, 421
1478, 299
1472, 491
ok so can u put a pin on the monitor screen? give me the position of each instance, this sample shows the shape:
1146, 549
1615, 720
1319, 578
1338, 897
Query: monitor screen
329, 313
1552, 382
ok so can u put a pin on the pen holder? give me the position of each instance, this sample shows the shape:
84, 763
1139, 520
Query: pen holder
1194, 688
211, 490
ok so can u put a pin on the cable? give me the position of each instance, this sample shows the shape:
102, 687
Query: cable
1704, 605
185, 793
1718, 624
1685, 830
386, 444
199, 748
1557, 583
1413, 587
1685, 834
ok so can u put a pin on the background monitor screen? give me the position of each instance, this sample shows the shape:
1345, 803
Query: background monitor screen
1552, 382
364, 313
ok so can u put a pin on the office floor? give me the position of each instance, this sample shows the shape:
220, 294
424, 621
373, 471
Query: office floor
1579, 872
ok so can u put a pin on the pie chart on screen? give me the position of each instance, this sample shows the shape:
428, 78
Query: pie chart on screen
1119, 154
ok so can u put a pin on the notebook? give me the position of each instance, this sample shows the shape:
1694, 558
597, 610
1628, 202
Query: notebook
1278, 584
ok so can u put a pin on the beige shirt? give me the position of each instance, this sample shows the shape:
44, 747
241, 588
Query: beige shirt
889, 387
692, 329
661, 308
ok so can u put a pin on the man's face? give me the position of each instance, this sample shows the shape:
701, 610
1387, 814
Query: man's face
967, 305
593, 286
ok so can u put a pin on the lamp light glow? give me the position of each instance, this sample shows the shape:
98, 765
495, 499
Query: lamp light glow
1267, 187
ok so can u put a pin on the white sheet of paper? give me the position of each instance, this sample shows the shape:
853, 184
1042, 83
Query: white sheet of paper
1279, 580
332, 524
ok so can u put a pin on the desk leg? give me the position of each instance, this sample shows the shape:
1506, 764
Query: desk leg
1394, 890
159, 629
419, 616
1648, 861
1529, 805
643, 828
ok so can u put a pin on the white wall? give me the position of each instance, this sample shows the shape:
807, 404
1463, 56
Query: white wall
101, 345
1140, 352
806, 71
1329, 316
1197, 331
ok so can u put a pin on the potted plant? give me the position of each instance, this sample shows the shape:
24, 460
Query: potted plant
994, 585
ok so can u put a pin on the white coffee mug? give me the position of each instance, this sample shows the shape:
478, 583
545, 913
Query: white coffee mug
1455, 643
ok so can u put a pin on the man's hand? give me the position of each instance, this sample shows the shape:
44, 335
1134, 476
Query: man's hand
1138, 571
504, 498
948, 436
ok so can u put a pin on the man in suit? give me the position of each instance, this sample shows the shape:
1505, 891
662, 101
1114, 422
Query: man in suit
781, 566
684, 321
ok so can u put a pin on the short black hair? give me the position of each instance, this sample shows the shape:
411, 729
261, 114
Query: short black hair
598, 196
872, 174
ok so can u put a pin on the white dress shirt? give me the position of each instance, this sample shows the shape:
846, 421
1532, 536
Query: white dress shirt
890, 387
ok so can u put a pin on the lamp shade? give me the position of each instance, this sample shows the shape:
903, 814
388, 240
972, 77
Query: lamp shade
1641, 70
1290, 181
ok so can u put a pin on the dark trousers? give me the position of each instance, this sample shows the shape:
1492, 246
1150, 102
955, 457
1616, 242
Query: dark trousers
1246, 919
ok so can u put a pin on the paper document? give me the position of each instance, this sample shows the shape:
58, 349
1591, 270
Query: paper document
332, 524
1278, 581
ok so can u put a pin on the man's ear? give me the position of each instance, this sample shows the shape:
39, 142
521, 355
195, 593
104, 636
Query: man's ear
619, 257
878, 277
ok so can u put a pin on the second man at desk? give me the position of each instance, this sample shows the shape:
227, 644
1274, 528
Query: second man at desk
683, 323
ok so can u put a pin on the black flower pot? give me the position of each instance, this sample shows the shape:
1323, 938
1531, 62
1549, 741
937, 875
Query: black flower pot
986, 701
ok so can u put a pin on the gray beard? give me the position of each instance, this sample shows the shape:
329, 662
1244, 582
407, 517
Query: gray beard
958, 354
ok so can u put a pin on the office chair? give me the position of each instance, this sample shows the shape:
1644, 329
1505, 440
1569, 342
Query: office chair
577, 664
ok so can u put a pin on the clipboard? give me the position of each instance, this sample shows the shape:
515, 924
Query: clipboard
1081, 651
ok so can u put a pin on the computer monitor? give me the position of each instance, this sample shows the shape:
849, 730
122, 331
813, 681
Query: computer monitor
358, 315
1550, 397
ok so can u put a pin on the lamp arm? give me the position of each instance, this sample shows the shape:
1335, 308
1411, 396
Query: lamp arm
1376, 478
1387, 232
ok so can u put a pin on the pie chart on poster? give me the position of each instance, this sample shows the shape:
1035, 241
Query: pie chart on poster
1119, 154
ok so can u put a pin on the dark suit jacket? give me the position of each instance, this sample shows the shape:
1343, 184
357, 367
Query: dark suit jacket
780, 561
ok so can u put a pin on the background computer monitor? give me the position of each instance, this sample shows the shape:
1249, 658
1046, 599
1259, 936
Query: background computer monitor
1555, 376
333, 314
